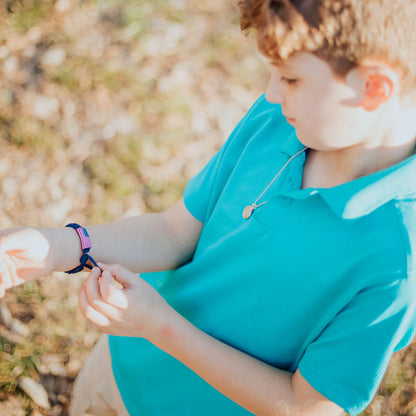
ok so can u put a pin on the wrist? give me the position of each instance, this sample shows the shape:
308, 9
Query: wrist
65, 248
86, 260
175, 333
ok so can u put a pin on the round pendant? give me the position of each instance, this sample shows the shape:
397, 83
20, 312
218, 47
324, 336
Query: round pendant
248, 210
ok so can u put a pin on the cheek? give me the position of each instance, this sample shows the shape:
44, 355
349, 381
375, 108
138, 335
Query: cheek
325, 109
333, 129
322, 123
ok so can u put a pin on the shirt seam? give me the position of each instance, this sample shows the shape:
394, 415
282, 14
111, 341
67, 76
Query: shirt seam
406, 257
234, 135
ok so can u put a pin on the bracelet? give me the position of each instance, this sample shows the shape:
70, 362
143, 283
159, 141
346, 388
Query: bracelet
85, 246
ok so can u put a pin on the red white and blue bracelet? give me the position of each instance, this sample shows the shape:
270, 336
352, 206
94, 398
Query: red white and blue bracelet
86, 259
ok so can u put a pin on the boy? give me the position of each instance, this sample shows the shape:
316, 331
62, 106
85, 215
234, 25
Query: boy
292, 253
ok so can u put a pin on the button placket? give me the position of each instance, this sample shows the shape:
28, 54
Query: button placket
284, 201
249, 209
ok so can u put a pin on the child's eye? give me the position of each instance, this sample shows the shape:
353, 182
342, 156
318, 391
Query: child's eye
288, 81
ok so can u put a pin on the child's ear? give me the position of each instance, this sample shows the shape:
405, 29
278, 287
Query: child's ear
380, 82
374, 84
378, 89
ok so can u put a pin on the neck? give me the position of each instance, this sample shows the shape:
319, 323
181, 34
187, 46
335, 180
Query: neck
389, 142
352, 163
390, 139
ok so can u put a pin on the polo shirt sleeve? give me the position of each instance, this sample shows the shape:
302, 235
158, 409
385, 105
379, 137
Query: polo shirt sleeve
347, 362
205, 187
203, 190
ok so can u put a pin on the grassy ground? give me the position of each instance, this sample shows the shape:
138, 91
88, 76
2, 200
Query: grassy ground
107, 108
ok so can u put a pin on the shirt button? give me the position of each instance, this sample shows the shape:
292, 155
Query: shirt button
284, 201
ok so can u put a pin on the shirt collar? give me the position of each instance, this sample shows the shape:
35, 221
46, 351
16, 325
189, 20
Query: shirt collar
361, 196
357, 198
291, 144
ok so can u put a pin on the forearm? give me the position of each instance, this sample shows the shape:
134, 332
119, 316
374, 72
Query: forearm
254, 385
143, 243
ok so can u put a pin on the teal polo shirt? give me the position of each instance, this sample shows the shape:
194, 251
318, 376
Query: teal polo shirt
317, 279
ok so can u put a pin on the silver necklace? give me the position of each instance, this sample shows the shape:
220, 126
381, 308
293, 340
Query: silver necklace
249, 209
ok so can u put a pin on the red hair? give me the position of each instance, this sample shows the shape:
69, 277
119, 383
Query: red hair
342, 32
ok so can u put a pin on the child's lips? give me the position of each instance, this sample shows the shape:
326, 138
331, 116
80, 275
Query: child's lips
289, 119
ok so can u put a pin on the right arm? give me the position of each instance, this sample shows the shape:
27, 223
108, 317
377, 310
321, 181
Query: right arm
145, 243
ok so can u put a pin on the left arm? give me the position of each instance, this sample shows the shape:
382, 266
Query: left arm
138, 310
253, 384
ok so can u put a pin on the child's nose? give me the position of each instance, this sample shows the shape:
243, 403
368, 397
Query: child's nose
274, 89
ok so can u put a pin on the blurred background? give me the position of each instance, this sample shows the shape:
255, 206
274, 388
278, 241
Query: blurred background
107, 108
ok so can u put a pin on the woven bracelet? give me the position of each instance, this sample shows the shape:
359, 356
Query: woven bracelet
86, 259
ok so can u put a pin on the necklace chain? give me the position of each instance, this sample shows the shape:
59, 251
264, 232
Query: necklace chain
249, 209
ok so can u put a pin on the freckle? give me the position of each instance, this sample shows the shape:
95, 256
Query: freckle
168, 332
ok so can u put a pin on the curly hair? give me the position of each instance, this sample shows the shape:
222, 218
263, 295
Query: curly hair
342, 32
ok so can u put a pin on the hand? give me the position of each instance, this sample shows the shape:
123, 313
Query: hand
23, 257
119, 302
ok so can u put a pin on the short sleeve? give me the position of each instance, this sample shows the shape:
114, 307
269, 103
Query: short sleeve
205, 186
347, 362
204, 189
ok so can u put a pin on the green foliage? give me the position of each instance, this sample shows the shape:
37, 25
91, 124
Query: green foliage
29, 293
66, 76
110, 174
24, 14
128, 150
394, 380
16, 360
35, 136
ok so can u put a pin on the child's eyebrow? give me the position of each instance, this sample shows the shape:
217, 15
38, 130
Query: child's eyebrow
284, 66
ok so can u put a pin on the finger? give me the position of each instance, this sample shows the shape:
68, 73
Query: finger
3, 273
116, 271
124, 276
91, 287
110, 293
13, 271
90, 313
95, 272
94, 298
5, 270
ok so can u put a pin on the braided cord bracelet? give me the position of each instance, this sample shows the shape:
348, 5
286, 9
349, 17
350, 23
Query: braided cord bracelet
86, 259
